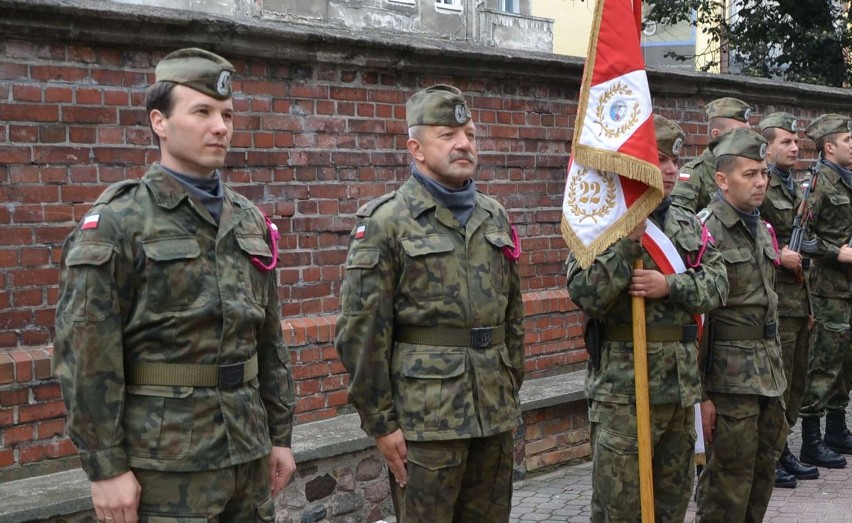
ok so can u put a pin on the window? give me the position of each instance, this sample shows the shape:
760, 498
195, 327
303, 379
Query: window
453, 5
510, 6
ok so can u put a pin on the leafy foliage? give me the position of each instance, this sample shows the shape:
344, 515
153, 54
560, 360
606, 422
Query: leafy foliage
796, 40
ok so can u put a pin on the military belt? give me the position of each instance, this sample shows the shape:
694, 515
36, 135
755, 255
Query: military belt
188, 375
744, 332
477, 337
654, 332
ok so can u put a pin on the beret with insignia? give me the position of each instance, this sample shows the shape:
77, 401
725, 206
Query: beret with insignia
781, 120
670, 136
739, 142
437, 105
197, 69
728, 108
831, 123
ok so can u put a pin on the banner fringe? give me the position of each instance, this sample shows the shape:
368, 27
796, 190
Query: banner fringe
627, 166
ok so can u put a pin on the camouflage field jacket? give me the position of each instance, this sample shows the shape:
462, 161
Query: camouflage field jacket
155, 280
831, 203
411, 264
601, 292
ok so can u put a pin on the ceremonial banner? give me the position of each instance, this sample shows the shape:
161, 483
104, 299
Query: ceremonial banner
614, 180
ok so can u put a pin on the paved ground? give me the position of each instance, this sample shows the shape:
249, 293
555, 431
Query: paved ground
564, 496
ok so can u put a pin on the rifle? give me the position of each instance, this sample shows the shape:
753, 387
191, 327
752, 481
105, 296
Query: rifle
801, 222
849, 269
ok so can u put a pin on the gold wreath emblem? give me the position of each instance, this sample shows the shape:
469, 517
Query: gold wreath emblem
592, 199
635, 111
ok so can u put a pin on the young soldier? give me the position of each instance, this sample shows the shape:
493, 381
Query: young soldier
696, 185
604, 291
743, 411
431, 328
830, 368
783, 199
168, 331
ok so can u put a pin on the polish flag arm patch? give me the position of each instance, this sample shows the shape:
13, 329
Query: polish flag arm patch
91, 222
360, 232
684, 177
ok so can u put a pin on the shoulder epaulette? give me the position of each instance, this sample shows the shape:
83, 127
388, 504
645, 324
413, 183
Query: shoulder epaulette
115, 190
370, 207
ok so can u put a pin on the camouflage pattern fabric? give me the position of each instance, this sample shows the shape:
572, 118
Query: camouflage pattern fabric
696, 193
745, 381
237, 494
412, 264
477, 472
615, 467
779, 208
673, 377
737, 481
601, 292
155, 280
831, 202
745, 366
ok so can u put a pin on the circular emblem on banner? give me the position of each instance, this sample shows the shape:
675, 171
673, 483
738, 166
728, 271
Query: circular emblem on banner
794, 125
461, 114
223, 83
676, 145
762, 152
617, 113
593, 194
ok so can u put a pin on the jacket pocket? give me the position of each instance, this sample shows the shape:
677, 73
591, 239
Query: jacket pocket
89, 282
257, 280
158, 421
174, 274
429, 267
362, 278
433, 390
499, 273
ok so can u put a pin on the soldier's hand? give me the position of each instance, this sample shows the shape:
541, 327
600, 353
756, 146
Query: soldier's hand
648, 284
281, 468
116, 499
791, 260
637, 232
845, 255
393, 448
708, 420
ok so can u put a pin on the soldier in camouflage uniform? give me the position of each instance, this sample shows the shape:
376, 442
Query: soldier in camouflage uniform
431, 327
783, 198
696, 185
603, 291
743, 408
168, 345
830, 365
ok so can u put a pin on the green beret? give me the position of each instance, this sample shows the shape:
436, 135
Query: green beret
437, 105
670, 136
728, 108
781, 120
197, 69
739, 142
831, 123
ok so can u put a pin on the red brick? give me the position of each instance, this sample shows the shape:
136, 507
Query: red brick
30, 277
14, 71
47, 391
41, 360
9, 398
120, 155
26, 93
82, 54
7, 370
53, 73
40, 451
29, 112
32, 336
41, 411
63, 155
82, 135
28, 298
18, 434
7, 458
58, 94
88, 96
35, 256
49, 429
9, 154
88, 114
28, 214
81, 193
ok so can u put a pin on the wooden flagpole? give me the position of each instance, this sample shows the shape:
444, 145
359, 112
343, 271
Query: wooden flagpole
643, 405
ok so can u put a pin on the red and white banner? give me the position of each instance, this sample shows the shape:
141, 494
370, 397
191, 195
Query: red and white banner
614, 180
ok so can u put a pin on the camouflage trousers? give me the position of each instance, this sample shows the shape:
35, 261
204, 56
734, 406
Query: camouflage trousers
795, 344
737, 481
238, 494
615, 465
460, 481
830, 361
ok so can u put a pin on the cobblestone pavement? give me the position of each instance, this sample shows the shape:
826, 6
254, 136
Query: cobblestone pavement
564, 495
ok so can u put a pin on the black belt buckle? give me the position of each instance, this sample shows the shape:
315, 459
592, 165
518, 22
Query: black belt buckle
231, 376
480, 337
770, 330
690, 333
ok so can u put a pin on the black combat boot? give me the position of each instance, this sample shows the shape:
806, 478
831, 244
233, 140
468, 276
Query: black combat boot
794, 467
783, 479
814, 451
837, 436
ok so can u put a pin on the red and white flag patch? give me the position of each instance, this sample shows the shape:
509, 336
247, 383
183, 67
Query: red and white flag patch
91, 222
684, 177
360, 232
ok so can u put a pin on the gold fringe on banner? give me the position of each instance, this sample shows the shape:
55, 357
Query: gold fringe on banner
619, 163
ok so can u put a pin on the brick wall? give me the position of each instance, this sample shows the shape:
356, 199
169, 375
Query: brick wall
319, 131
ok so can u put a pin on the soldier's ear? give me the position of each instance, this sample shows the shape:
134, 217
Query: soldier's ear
415, 149
721, 180
158, 122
